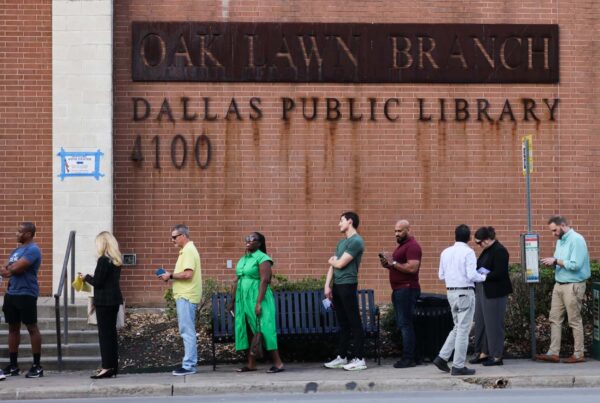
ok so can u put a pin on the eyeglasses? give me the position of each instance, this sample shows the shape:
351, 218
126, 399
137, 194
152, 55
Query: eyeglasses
174, 237
250, 238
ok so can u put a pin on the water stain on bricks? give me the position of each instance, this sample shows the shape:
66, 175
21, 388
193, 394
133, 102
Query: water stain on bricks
307, 190
425, 161
441, 139
256, 133
356, 175
329, 154
284, 143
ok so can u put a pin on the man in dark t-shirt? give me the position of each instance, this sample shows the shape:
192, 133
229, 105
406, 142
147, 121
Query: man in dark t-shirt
403, 266
20, 301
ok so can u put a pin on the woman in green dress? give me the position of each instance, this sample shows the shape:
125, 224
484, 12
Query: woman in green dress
254, 302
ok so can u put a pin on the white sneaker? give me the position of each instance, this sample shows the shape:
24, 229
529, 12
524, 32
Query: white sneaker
2, 376
355, 365
338, 362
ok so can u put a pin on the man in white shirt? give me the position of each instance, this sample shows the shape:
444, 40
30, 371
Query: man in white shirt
458, 268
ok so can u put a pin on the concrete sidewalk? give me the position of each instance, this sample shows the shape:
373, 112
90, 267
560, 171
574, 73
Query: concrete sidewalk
302, 378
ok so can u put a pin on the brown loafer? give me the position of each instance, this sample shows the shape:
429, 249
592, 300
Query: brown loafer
573, 360
547, 357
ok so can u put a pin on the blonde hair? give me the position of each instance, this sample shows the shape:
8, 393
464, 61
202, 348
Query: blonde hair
107, 245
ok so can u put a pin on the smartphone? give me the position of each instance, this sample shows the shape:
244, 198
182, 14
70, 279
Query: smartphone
381, 256
160, 271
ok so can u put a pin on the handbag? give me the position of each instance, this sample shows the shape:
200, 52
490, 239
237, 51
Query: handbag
121, 316
91, 312
256, 345
93, 320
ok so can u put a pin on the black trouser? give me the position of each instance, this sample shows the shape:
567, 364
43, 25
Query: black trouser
107, 335
345, 302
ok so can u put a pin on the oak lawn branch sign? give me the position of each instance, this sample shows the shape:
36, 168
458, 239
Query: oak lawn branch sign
334, 53
345, 53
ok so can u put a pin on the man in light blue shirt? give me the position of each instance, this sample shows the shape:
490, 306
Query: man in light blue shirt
571, 261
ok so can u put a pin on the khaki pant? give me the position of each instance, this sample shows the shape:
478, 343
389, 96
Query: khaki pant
567, 298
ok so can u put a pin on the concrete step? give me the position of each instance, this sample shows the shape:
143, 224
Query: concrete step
51, 363
48, 311
68, 350
50, 324
49, 336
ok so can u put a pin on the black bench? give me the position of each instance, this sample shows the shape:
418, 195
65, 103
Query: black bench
298, 314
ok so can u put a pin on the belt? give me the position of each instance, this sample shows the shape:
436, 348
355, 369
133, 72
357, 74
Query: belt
460, 288
558, 282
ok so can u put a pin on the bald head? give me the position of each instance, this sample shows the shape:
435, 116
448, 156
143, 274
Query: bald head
402, 230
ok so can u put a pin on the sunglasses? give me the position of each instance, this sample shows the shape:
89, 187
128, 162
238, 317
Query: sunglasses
250, 238
174, 237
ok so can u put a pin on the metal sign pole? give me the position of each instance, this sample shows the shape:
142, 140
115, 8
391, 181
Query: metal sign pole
531, 286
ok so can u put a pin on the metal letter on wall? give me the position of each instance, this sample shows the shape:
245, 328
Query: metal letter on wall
345, 53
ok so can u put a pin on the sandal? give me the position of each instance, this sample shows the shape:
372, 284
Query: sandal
274, 370
245, 369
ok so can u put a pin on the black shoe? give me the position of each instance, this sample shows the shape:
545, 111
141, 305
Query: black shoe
36, 371
441, 364
405, 364
462, 371
109, 373
9, 370
490, 362
478, 359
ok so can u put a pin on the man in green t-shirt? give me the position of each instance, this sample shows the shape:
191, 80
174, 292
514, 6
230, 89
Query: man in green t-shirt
187, 291
343, 270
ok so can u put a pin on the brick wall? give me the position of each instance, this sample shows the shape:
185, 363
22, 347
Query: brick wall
291, 180
26, 126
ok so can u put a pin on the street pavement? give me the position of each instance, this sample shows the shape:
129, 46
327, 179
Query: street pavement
303, 378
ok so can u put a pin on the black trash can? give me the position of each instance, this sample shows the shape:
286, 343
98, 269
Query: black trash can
433, 322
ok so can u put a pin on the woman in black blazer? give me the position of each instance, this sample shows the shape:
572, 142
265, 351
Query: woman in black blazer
491, 299
107, 298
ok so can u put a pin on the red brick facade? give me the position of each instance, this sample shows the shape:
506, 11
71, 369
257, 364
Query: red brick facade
26, 126
291, 180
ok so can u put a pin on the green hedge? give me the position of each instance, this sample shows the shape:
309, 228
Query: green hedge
517, 326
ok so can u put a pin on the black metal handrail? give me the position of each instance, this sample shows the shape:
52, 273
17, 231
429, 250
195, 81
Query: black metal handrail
70, 252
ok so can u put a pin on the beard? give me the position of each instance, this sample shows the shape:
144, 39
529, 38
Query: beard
400, 239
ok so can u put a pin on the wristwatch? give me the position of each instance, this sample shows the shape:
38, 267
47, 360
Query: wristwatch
394, 264
555, 262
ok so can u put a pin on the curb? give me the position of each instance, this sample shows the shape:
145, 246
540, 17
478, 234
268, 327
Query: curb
300, 387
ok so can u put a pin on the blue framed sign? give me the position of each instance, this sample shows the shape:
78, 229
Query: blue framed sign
80, 163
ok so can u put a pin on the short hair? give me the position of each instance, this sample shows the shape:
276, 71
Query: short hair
182, 229
558, 220
262, 240
29, 227
462, 233
351, 215
485, 233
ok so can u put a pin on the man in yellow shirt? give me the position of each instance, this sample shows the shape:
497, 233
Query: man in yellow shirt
187, 291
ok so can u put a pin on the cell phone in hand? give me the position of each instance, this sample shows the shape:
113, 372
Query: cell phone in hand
381, 256
160, 271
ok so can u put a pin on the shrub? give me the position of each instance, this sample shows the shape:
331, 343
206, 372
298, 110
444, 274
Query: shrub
209, 287
517, 314
517, 327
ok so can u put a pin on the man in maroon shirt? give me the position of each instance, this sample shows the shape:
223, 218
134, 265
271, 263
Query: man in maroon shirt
403, 266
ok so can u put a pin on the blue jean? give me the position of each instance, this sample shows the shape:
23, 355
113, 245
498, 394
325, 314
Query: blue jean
404, 300
186, 318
